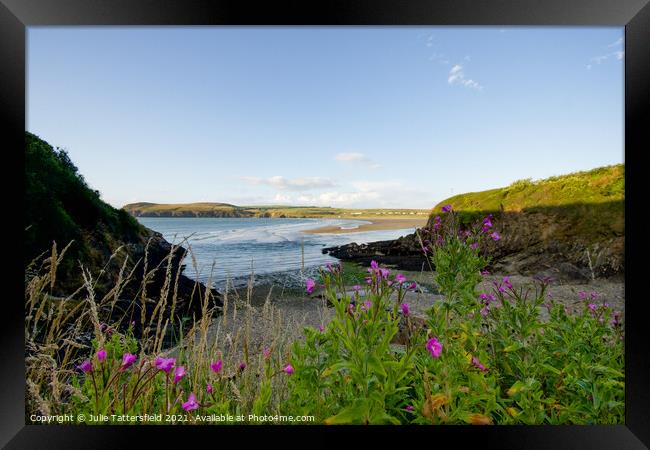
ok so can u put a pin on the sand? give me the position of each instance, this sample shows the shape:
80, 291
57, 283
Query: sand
376, 224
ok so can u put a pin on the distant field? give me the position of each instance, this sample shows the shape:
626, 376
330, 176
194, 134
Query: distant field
228, 210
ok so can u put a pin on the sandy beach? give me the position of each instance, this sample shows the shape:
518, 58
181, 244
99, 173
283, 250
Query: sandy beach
376, 224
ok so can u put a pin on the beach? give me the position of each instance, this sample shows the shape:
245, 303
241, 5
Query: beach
374, 225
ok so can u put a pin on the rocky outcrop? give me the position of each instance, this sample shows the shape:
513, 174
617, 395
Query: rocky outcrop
576, 242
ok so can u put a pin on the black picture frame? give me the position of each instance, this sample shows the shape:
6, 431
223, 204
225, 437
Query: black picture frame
16, 15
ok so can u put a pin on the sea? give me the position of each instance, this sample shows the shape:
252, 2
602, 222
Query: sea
237, 250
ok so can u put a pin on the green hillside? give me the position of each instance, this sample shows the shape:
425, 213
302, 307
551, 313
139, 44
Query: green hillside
604, 184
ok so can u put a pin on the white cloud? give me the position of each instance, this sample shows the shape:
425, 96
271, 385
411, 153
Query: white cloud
618, 42
457, 76
282, 198
296, 184
619, 54
356, 158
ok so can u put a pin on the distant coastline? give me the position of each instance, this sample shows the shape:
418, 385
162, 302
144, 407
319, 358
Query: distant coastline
374, 225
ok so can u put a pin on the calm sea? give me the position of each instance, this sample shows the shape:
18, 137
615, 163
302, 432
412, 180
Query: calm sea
237, 246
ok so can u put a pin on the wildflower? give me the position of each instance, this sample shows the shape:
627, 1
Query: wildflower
86, 366
495, 236
410, 408
288, 369
179, 373
101, 355
413, 285
487, 298
384, 273
356, 288
507, 283
582, 295
242, 365
487, 224
485, 272
476, 363
446, 208
592, 307
321, 328
405, 309
191, 403
594, 295
209, 388
615, 320
164, 364
267, 353
437, 223
127, 360
310, 285
351, 308
216, 366
399, 278
374, 265
434, 347
368, 280
473, 246
485, 311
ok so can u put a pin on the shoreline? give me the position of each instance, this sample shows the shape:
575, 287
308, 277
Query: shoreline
374, 225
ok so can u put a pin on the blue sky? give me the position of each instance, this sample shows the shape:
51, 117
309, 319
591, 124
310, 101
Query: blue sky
346, 117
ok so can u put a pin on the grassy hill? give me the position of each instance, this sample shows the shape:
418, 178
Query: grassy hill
206, 209
604, 184
577, 218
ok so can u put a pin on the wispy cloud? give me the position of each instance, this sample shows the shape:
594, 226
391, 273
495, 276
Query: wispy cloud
457, 76
296, 184
356, 158
616, 54
616, 43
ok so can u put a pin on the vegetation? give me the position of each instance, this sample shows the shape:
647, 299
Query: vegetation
227, 210
60, 207
601, 185
479, 358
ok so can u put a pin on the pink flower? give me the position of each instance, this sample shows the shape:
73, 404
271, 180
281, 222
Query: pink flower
485, 310
476, 363
485, 272
267, 353
495, 236
410, 408
216, 366
399, 278
374, 265
127, 360
413, 285
321, 328
434, 347
191, 403
506, 281
384, 273
164, 364
356, 287
86, 366
288, 369
446, 208
473, 246
366, 305
582, 295
592, 307
242, 365
405, 309
179, 373
101, 355
351, 308
310, 285
209, 388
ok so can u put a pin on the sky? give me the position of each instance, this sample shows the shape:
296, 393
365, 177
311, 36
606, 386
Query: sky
359, 117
